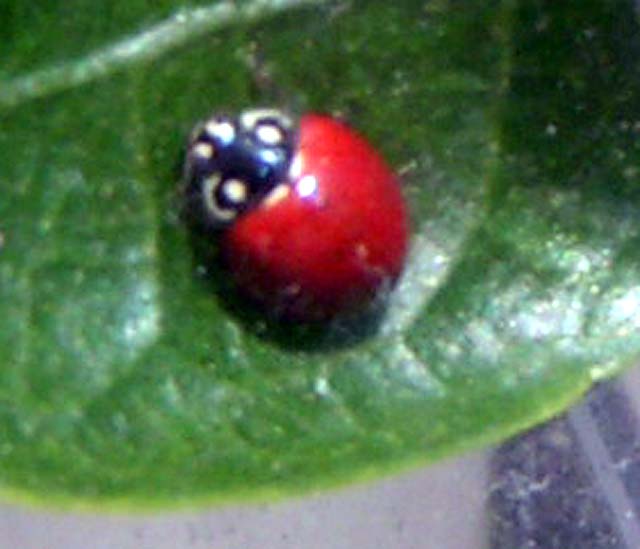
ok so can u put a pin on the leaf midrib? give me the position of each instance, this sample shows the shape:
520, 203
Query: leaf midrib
142, 47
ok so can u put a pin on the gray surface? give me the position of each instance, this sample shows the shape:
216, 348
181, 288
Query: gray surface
419, 510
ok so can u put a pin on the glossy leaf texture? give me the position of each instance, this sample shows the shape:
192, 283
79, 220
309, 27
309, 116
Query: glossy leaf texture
130, 375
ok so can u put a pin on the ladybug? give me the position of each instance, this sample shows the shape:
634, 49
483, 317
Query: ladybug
311, 220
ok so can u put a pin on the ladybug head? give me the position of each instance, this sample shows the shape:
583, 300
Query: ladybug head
234, 162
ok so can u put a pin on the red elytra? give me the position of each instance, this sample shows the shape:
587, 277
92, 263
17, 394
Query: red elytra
329, 239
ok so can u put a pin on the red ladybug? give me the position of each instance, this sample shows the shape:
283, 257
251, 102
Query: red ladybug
313, 223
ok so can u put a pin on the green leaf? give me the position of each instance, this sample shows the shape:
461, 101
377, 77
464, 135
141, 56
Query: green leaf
129, 378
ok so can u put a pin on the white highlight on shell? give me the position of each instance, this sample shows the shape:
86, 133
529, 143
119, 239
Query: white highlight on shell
295, 169
307, 186
278, 194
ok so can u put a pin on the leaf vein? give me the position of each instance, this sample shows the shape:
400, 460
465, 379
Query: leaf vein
147, 45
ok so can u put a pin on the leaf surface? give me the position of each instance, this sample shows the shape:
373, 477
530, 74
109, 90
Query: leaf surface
130, 376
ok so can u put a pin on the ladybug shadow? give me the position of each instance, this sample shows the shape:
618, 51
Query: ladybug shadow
313, 337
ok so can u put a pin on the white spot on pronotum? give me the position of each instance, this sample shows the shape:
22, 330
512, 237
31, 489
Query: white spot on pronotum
235, 191
278, 194
250, 119
203, 150
209, 187
224, 131
307, 185
269, 156
269, 134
